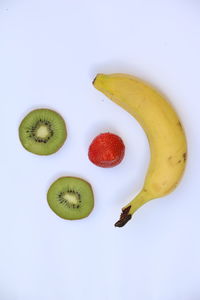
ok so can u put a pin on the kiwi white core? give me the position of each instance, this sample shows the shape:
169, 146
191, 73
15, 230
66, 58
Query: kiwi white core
71, 198
42, 131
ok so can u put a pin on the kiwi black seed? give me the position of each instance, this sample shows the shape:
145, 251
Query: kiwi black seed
71, 198
42, 131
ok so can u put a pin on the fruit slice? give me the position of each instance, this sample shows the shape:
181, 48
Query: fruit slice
106, 150
71, 198
42, 131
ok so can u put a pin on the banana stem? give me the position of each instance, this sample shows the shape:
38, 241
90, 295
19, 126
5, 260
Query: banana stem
124, 217
131, 208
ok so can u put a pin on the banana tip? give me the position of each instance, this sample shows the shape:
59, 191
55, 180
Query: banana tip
99, 76
94, 79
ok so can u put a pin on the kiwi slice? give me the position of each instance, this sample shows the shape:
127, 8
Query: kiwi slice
42, 131
71, 198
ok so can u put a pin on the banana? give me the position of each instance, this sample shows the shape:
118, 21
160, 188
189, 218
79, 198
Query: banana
164, 131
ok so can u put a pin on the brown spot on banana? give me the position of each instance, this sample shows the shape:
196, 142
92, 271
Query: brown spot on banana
180, 125
164, 183
184, 156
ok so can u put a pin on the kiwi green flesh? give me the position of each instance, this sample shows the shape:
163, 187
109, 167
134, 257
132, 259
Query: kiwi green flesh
42, 131
71, 198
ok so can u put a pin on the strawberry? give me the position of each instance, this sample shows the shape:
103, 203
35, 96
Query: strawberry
106, 150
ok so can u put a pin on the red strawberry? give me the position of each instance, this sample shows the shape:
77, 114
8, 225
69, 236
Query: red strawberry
106, 150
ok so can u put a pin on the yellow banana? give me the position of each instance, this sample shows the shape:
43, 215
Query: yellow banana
163, 129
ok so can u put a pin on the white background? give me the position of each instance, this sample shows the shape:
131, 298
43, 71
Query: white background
50, 52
